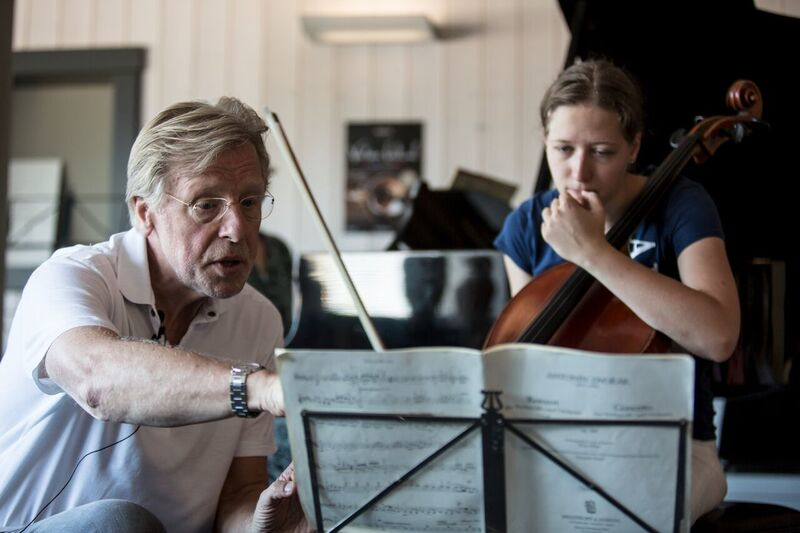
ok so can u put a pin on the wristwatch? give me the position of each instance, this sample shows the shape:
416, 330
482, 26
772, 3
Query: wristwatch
239, 373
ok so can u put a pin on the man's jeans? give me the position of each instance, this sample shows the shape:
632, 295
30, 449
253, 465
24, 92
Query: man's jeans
102, 516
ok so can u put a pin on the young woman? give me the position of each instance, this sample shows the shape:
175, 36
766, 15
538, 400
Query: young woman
676, 276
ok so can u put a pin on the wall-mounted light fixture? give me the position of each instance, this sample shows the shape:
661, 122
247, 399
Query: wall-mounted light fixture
369, 29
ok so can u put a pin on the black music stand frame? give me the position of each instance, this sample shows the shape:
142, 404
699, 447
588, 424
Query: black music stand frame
493, 426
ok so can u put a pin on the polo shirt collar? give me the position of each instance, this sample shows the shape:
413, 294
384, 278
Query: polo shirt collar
133, 270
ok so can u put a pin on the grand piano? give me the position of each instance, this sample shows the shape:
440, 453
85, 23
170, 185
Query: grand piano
439, 283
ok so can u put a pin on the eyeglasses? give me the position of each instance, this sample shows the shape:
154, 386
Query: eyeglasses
205, 210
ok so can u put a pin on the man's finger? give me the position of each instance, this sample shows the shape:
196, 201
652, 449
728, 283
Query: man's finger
288, 473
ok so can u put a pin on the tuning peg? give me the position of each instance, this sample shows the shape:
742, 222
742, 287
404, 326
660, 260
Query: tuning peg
676, 137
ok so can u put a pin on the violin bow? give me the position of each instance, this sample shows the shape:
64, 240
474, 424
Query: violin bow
285, 148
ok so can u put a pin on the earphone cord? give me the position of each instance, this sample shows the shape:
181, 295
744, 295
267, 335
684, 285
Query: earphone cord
73, 473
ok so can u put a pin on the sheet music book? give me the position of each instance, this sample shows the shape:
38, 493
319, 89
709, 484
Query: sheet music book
601, 414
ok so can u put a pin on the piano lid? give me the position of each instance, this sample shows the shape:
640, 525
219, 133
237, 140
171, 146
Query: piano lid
467, 216
686, 54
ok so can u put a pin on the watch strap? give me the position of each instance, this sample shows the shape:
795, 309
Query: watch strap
239, 373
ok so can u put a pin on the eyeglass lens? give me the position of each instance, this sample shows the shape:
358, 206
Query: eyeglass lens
255, 208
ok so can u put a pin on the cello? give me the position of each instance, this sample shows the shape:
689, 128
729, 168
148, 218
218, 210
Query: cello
565, 306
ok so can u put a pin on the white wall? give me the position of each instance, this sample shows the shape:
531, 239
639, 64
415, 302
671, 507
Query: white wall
476, 93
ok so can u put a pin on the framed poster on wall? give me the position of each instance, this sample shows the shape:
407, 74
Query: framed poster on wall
384, 165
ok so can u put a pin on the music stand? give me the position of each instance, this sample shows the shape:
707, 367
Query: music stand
493, 427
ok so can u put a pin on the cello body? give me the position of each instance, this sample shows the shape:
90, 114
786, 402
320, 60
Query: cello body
599, 323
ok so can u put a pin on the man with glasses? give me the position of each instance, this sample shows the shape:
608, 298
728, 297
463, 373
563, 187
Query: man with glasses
136, 369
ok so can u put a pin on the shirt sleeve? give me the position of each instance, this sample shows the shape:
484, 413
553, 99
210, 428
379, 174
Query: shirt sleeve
692, 215
70, 294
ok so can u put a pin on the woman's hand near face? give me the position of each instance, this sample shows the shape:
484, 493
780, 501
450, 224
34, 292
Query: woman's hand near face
574, 225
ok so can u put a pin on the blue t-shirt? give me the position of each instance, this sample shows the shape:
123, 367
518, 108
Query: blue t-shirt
686, 215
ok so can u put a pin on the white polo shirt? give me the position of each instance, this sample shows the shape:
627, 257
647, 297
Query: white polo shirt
176, 473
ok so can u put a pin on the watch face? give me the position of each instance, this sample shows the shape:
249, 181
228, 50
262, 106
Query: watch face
245, 367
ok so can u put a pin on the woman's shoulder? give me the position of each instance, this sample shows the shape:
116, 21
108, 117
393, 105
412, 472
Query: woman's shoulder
544, 198
688, 191
528, 213
538, 201
689, 213
682, 189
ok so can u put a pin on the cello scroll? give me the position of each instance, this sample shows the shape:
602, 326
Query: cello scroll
744, 97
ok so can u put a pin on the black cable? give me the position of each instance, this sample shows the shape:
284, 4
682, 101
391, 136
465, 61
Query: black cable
160, 337
73, 473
